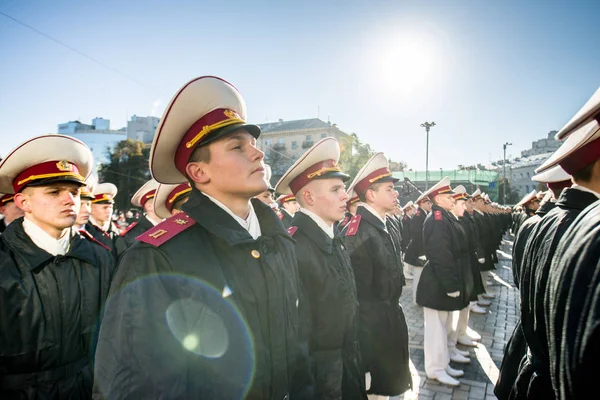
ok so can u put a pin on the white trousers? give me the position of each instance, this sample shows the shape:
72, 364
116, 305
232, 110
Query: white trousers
452, 331
437, 357
463, 321
416, 273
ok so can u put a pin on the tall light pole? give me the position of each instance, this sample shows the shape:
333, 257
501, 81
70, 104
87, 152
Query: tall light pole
427, 126
504, 173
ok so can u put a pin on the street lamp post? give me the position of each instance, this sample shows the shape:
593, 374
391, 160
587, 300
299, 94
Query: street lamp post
504, 173
427, 126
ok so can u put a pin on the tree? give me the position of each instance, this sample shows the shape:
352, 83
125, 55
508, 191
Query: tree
512, 195
354, 154
279, 161
128, 169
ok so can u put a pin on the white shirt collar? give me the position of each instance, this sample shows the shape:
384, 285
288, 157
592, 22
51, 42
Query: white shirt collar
46, 242
319, 221
584, 189
375, 213
250, 224
104, 227
149, 218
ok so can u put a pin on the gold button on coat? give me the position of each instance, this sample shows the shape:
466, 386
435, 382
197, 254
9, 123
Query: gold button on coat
255, 253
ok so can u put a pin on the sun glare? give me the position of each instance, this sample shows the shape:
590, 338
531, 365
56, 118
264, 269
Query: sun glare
405, 66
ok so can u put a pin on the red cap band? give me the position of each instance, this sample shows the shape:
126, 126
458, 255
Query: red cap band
372, 178
6, 198
286, 198
176, 193
313, 172
46, 170
559, 186
442, 190
147, 197
216, 119
581, 158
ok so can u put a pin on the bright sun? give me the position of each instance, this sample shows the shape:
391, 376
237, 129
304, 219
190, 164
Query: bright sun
405, 66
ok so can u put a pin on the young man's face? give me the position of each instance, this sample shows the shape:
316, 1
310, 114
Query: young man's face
384, 196
459, 208
291, 206
446, 201
102, 212
426, 205
236, 166
327, 199
84, 212
53, 208
266, 197
10, 212
469, 205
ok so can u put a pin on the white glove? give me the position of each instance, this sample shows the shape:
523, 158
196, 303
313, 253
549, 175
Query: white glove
422, 258
481, 260
454, 294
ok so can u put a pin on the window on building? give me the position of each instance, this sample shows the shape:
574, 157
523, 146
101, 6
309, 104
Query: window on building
323, 135
294, 145
528, 175
268, 143
281, 141
309, 138
526, 188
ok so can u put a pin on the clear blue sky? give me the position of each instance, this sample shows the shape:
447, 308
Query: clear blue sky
486, 72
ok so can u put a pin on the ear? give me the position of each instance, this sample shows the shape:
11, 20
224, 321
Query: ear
307, 198
22, 201
370, 195
198, 171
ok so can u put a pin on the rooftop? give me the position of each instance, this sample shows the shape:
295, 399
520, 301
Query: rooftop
530, 161
299, 124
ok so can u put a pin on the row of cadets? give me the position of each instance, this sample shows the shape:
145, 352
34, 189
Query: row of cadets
459, 331
408, 210
528, 205
443, 288
100, 224
351, 206
267, 196
331, 307
415, 256
489, 242
53, 281
379, 278
556, 179
558, 279
218, 302
9, 210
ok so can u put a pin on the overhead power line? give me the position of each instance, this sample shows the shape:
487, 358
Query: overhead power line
73, 49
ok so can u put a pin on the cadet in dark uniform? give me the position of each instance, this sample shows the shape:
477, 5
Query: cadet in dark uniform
143, 198
53, 282
288, 206
379, 281
516, 347
442, 289
9, 210
267, 196
579, 157
325, 271
101, 226
415, 252
215, 315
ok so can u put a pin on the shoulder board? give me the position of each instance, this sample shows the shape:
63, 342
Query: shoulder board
89, 237
166, 230
405, 218
292, 229
353, 225
130, 227
345, 221
418, 212
437, 214
280, 216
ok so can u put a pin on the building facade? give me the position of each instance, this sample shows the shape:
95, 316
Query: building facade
542, 146
523, 169
284, 141
142, 128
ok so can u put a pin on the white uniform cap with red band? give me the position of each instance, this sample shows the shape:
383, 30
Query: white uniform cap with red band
527, 198
442, 187
409, 204
318, 162
104, 193
45, 159
145, 193
203, 110
167, 195
376, 170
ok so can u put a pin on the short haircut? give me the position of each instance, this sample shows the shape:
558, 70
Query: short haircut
584, 174
200, 154
374, 187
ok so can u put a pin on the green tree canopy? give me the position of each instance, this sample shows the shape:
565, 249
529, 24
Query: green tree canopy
128, 170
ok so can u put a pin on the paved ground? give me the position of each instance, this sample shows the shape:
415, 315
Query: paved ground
495, 328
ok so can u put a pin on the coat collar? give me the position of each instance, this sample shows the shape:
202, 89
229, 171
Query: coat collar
313, 232
575, 199
370, 218
33, 256
216, 220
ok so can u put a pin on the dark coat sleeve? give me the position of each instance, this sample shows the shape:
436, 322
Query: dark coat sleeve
438, 248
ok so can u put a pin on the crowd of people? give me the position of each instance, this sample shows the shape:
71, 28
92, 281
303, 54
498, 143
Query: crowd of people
227, 287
